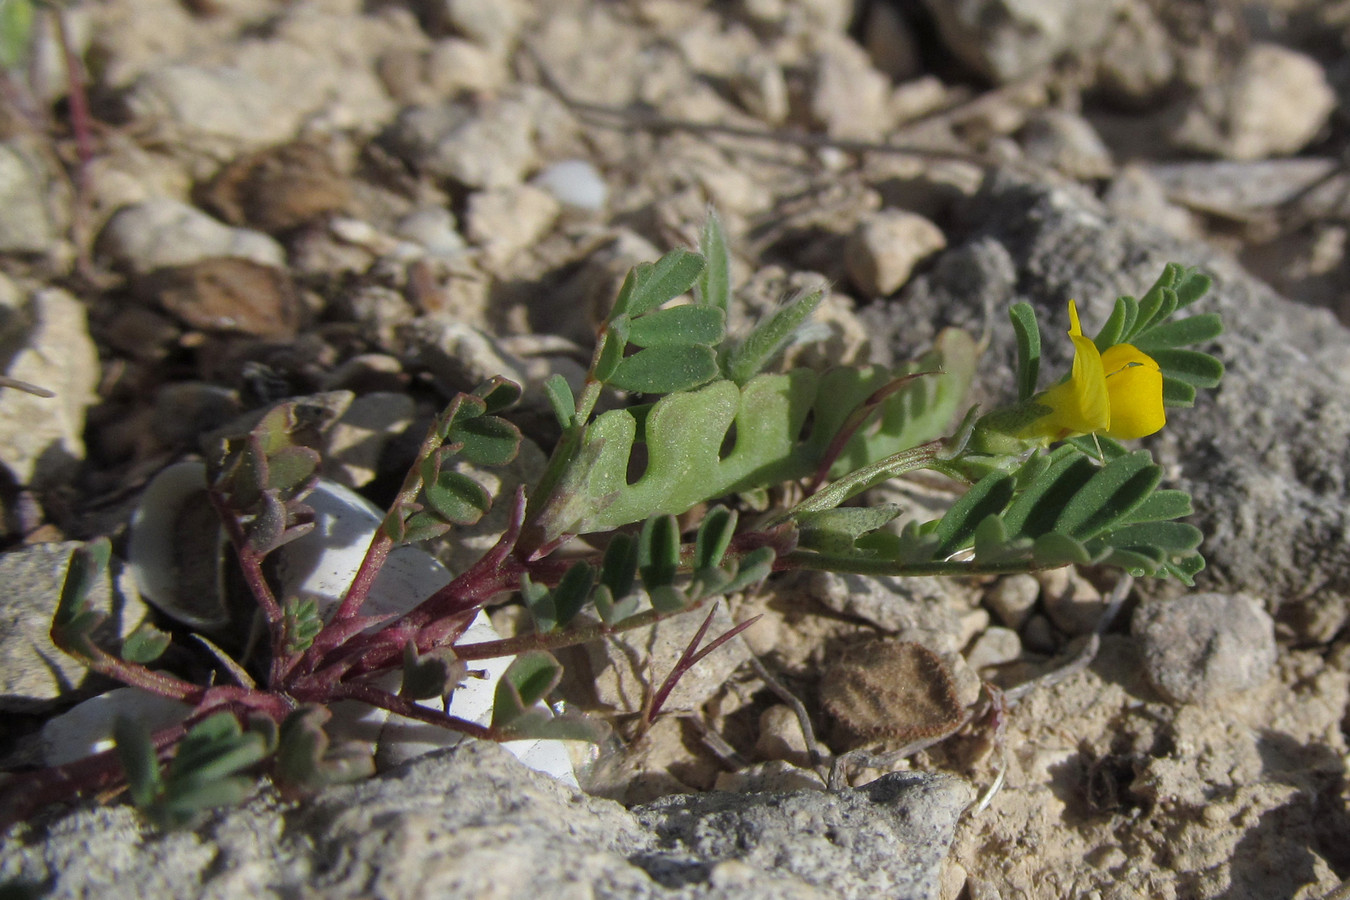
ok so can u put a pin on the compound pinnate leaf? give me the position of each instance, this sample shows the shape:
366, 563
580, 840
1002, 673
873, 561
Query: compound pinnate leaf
305, 761
291, 467
659, 551
498, 394
136, 753
988, 496
838, 529
561, 400
572, 592
301, 622
618, 569
723, 438
753, 568
714, 537
432, 675
1113, 492
538, 724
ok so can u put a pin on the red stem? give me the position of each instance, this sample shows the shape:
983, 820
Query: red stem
406, 708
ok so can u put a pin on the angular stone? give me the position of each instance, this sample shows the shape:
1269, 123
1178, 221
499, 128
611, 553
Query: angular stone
1201, 647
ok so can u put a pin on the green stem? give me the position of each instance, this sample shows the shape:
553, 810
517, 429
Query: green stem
854, 565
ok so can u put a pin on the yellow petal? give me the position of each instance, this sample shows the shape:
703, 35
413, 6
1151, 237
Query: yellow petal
1134, 386
1075, 330
1081, 404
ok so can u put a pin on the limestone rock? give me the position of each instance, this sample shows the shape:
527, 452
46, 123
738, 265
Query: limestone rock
1201, 647
34, 674
42, 438
472, 822
1273, 104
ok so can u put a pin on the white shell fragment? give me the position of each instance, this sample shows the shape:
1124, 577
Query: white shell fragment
321, 565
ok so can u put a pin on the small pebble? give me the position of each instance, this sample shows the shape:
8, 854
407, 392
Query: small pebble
994, 648
1203, 647
434, 229
1064, 141
1012, 599
1038, 635
781, 737
775, 775
884, 248
504, 221
574, 183
227, 294
1073, 603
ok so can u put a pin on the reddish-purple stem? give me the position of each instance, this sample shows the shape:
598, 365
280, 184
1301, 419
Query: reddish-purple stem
688, 659
81, 125
24, 795
404, 707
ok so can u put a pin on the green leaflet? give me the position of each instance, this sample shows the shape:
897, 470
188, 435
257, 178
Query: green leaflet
1074, 511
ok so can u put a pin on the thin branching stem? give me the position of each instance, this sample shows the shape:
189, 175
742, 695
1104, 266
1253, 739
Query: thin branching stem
402, 706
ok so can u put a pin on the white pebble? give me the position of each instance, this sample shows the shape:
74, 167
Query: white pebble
574, 183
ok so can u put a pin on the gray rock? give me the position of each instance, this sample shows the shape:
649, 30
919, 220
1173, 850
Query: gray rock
434, 229
890, 43
26, 193
1273, 104
162, 232
485, 147
473, 822
455, 65
849, 97
884, 839
1201, 647
42, 438
34, 674
994, 648
213, 106
1266, 456
626, 665
357, 441
493, 23
924, 610
506, 220
1006, 40
1241, 188
1071, 601
1136, 63
1066, 142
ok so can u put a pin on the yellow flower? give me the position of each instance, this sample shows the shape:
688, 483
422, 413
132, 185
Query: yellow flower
1117, 393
